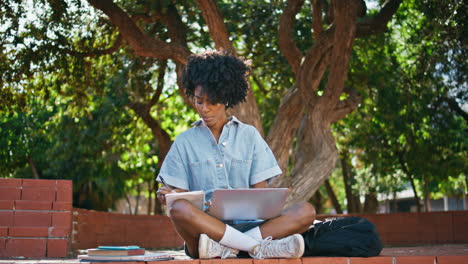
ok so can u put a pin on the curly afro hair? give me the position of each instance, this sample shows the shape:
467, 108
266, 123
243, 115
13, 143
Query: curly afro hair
222, 76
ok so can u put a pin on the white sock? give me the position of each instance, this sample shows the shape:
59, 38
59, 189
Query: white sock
235, 239
255, 233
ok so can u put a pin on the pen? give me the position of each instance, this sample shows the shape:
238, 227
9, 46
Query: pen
165, 183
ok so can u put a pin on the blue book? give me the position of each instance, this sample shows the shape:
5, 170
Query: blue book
118, 247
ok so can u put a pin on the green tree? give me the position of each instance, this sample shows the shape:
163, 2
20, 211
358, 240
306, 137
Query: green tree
84, 47
411, 125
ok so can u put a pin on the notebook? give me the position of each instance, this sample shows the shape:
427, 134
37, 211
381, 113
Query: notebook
197, 198
248, 204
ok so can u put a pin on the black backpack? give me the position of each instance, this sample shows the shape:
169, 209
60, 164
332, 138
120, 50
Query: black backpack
346, 236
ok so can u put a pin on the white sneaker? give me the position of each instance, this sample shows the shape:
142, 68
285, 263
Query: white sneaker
208, 249
288, 247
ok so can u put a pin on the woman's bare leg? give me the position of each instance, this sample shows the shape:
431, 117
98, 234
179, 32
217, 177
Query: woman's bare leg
190, 222
294, 220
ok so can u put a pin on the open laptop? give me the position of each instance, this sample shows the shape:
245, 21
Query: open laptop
248, 204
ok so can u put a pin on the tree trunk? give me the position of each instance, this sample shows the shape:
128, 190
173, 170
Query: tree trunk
332, 196
466, 183
354, 203
129, 204
158, 207
33, 168
137, 199
315, 158
150, 197
317, 201
395, 202
371, 204
315, 154
427, 196
283, 131
411, 179
465, 202
416, 196
465, 193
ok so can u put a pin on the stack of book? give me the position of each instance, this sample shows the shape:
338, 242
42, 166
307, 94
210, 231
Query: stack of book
122, 253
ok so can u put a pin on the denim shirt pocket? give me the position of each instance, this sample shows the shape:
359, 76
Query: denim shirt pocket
239, 173
203, 177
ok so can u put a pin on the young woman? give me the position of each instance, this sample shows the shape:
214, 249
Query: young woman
221, 152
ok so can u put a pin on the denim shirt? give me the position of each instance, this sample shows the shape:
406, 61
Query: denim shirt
240, 159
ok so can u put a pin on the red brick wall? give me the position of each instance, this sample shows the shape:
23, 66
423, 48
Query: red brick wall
93, 228
419, 228
35, 217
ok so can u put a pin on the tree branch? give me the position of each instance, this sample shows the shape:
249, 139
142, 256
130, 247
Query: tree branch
260, 85
161, 74
455, 107
363, 9
287, 45
378, 23
329, 12
214, 19
317, 6
96, 53
141, 43
311, 79
176, 28
315, 63
291, 109
147, 19
162, 137
346, 106
345, 13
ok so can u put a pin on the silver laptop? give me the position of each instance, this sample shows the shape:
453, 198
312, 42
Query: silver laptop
248, 204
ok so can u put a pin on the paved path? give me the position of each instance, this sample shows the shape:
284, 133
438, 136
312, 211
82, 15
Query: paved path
437, 250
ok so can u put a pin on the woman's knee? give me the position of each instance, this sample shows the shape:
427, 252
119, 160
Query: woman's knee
181, 210
305, 214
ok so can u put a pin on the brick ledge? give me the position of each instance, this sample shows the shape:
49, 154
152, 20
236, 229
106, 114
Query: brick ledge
453, 259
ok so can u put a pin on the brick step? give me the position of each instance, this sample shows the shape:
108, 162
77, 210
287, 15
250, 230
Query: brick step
454, 259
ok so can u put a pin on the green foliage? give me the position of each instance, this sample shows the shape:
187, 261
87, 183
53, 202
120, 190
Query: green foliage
63, 143
23, 134
66, 109
406, 126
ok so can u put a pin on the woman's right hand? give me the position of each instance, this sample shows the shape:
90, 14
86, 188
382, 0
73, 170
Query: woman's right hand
161, 194
162, 191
